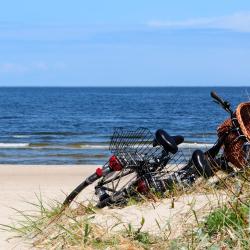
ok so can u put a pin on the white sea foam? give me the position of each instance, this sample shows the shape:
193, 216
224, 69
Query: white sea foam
68, 147
14, 145
195, 145
183, 145
21, 136
94, 146
90, 146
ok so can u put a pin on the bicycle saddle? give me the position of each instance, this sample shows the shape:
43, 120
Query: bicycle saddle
169, 143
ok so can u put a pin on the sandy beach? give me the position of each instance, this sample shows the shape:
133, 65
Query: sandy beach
21, 183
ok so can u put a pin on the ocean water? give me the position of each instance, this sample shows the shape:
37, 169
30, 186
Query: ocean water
74, 125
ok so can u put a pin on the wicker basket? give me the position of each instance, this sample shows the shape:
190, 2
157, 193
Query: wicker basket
233, 146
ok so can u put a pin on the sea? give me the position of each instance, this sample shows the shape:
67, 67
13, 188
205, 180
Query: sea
74, 125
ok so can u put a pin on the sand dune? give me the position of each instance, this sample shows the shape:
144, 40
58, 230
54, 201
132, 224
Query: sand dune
19, 183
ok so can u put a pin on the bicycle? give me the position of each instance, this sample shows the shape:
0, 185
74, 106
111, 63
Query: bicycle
142, 162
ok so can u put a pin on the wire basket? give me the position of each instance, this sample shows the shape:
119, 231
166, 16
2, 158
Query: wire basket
136, 148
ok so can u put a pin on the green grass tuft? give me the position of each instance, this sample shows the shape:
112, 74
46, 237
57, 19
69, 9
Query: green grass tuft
224, 227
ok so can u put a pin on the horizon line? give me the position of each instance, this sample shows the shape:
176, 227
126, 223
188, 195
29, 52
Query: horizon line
127, 86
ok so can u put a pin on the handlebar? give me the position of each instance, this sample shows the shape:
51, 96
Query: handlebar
217, 98
224, 104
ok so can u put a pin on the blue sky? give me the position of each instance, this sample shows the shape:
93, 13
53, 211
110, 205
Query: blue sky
125, 43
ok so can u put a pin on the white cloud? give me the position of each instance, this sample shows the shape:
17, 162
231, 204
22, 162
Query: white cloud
236, 22
13, 68
40, 66
21, 68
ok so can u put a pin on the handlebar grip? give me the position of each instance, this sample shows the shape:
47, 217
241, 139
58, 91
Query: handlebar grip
217, 98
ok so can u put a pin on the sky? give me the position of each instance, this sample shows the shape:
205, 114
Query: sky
125, 43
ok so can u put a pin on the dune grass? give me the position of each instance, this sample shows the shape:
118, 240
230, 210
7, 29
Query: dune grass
50, 227
228, 225
47, 226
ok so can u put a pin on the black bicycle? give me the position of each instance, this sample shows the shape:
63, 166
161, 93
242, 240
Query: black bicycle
142, 162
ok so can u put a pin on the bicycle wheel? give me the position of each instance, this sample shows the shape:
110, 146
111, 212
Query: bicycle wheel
114, 189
